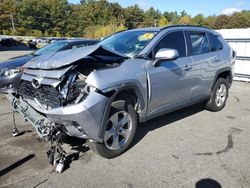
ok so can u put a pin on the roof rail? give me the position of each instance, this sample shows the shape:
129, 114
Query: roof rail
183, 25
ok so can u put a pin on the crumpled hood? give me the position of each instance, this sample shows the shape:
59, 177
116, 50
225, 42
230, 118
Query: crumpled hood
69, 57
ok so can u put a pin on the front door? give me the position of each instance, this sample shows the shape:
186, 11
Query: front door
170, 83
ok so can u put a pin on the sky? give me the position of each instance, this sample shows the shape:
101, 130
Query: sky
193, 7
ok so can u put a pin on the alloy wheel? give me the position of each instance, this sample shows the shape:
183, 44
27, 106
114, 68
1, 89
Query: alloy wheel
118, 130
221, 94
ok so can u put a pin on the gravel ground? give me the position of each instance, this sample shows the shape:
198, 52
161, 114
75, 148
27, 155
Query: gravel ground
187, 148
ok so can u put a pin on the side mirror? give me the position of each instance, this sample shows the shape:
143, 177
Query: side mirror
165, 54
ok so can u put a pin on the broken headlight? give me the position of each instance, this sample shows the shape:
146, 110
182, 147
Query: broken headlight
84, 93
74, 89
90, 88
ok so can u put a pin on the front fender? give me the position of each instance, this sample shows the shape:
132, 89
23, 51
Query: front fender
115, 92
131, 74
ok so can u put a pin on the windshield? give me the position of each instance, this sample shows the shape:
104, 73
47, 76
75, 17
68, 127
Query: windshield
129, 43
50, 48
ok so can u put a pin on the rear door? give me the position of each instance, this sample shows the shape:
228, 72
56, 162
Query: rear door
200, 51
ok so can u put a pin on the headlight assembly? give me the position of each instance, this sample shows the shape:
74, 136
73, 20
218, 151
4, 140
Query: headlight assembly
9, 72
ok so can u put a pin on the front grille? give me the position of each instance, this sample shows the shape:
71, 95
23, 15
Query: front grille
45, 94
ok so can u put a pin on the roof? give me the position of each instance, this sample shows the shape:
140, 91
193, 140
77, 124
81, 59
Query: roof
152, 29
183, 25
157, 29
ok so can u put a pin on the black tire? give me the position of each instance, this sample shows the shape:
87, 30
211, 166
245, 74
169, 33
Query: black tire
211, 104
116, 107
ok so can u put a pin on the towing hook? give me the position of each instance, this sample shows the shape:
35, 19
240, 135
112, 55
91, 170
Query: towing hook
15, 132
60, 166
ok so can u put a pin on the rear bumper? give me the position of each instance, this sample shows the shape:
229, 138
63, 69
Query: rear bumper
9, 84
82, 120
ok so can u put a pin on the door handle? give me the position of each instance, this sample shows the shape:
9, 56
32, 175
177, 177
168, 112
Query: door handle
216, 60
187, 67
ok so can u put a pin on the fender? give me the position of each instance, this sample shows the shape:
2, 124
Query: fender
221, 71
114, 93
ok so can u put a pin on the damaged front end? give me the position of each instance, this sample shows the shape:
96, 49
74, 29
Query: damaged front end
56, 98
70, 103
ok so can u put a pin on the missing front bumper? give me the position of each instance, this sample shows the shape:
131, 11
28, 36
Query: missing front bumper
41, 124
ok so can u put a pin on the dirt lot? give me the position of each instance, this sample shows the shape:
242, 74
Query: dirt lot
187, 148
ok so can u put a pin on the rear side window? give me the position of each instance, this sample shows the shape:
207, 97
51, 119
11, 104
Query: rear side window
78, 46
198, 43
174, 40
215, 43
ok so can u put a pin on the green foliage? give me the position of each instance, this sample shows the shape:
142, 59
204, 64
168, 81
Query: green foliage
222, 21
172, 17
198, 20
97, 18
210, 22
163, 22
133, 16
186, 20
151, 17
100, 31
183, 13
7, 9
239, 19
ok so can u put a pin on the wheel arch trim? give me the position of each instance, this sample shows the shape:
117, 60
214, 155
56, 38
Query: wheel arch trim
114, 93
226, 69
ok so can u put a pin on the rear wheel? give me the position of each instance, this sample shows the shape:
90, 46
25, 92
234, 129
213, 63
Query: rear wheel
120, 130
219, 96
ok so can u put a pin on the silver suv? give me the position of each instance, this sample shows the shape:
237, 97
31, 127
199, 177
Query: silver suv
101, 92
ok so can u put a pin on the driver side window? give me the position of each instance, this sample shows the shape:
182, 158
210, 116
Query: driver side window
174, 40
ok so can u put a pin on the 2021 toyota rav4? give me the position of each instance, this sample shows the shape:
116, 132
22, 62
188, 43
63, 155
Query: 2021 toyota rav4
101, 92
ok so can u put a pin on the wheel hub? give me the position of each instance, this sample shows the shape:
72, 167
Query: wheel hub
118, 130
221, 95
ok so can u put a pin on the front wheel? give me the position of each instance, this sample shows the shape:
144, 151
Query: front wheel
120, 130
219, 96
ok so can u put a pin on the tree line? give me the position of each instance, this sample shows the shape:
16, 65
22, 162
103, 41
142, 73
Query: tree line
98, 18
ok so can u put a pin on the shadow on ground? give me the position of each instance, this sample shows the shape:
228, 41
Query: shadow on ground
16, 164
165, 120
208, 183
78, 146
